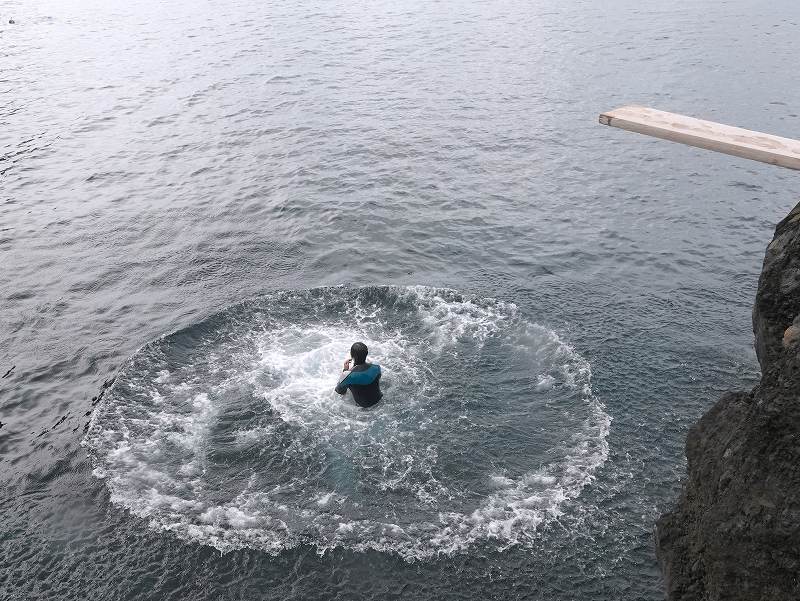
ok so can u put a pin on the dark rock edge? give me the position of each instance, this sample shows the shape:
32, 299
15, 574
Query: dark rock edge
735, 532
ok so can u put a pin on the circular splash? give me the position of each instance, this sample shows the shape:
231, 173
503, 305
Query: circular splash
229, 432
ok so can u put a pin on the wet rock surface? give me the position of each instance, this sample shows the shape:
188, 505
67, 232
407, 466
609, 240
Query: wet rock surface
735, 532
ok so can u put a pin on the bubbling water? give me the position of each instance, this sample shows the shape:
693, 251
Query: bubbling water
229, 432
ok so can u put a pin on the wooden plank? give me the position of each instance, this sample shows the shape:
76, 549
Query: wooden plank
754, 145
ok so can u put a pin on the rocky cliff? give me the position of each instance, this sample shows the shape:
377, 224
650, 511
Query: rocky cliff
735, 533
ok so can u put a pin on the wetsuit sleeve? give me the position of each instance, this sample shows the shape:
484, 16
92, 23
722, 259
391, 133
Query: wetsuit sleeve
341, 386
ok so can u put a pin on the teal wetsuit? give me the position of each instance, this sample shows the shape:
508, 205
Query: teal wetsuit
364, 382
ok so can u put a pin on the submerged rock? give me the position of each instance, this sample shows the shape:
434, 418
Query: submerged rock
735, 533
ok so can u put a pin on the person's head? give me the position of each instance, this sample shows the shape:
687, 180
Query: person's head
359, 353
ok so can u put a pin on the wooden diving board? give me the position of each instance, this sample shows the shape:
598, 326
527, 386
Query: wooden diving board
739, 142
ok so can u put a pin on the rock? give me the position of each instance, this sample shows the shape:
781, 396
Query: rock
735, 532
778, 298
791, 337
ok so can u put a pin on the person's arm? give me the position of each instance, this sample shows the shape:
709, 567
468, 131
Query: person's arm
341, 385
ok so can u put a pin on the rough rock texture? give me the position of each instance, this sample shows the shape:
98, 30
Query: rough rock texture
735, 533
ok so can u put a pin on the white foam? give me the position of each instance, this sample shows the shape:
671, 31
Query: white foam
323, 500
253, 435
456, 318
544, 382
151, 442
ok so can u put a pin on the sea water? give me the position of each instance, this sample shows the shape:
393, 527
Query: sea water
228, 433
203, 205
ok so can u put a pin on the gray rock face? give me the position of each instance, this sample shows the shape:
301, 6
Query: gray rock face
735, 533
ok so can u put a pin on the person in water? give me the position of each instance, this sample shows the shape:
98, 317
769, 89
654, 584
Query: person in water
362, 378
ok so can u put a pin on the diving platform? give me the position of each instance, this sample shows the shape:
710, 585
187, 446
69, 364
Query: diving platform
736, 141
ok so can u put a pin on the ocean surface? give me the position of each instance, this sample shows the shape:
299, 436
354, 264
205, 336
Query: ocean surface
202, 205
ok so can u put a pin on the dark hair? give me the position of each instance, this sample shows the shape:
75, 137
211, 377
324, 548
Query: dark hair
358, 352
